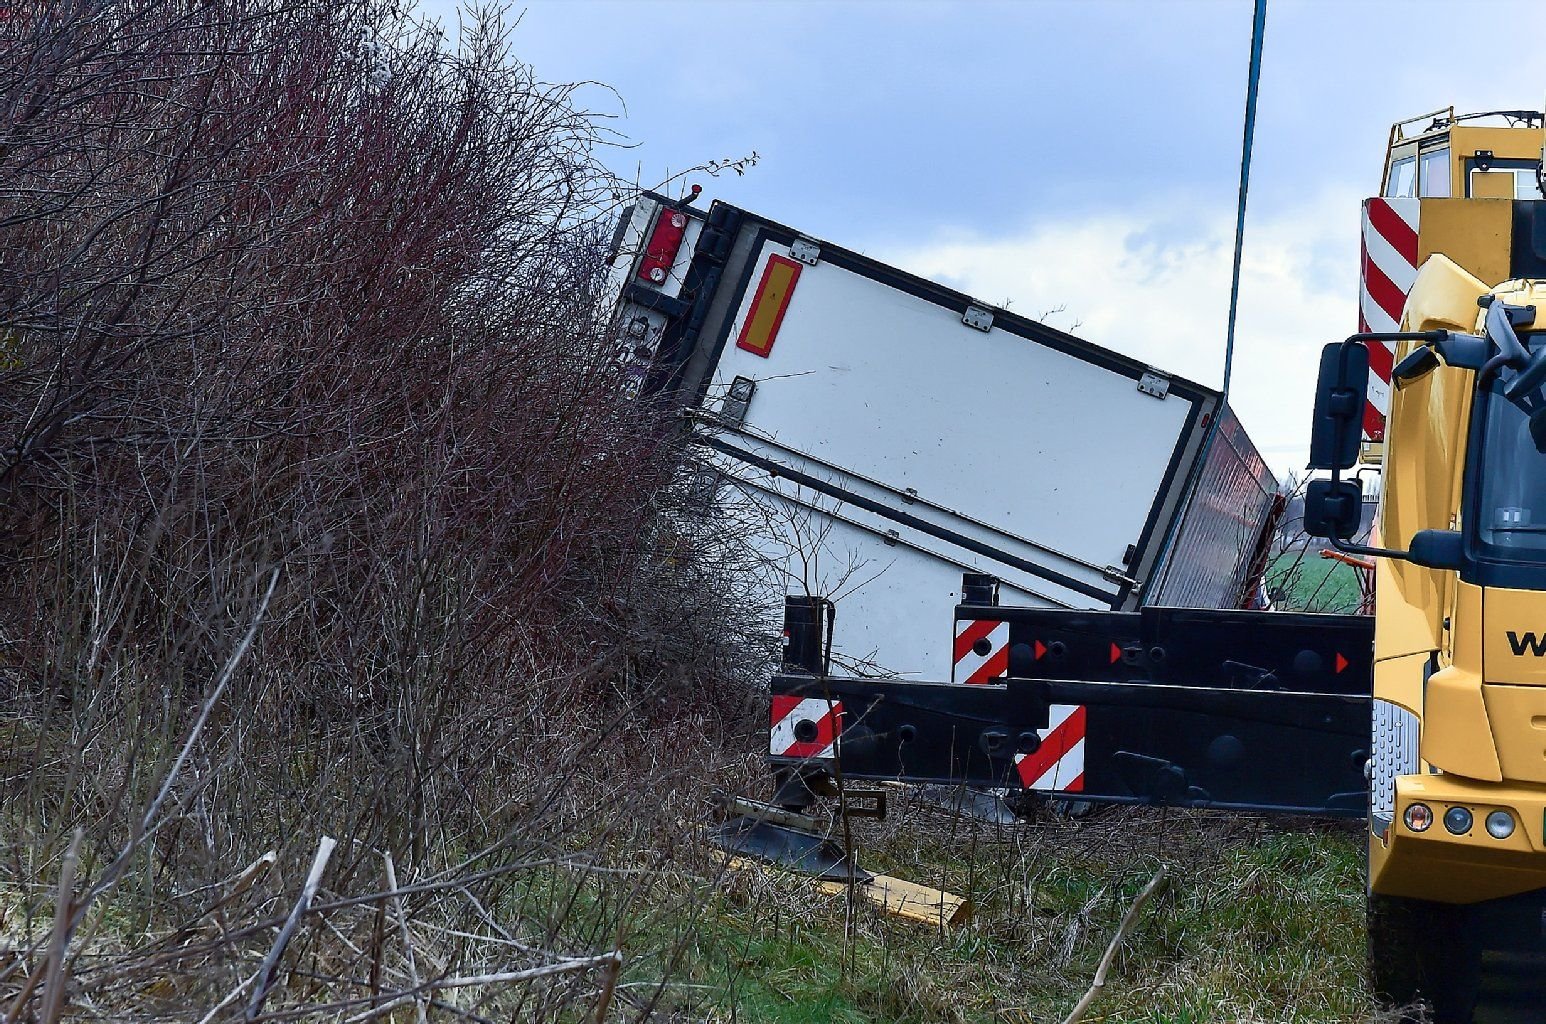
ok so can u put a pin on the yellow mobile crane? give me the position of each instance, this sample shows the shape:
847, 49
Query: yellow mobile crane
1457, 838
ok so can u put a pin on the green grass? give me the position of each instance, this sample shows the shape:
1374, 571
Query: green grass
1259, 922
1304, 581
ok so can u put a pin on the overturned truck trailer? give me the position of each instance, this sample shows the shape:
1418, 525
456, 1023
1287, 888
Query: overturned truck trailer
908, 460
904, 434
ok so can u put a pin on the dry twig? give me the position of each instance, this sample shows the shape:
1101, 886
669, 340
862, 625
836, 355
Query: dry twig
1129, 920
308, 891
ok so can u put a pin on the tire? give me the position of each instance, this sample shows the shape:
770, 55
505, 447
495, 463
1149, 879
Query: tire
1424, 958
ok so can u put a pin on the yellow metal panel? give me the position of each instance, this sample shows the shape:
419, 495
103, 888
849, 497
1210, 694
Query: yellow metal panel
1425, 443
1475, 233
1442, 298
1492, 185
1457, 736
1514, 636
1466, 629
1519, 730
1400, 681
1403, 624
1505, 143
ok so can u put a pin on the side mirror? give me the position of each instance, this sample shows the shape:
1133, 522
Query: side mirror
1333, 508
1339, 401
1418, 363
1437, 549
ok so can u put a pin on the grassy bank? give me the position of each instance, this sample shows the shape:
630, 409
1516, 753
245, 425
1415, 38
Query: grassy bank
1260, 922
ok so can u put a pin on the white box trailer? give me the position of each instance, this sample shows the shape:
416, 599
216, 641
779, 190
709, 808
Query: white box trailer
884, 435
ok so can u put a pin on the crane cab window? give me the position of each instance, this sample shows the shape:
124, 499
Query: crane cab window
1402, 181
1526, 183
1415, 173
1433, 173
1510, 515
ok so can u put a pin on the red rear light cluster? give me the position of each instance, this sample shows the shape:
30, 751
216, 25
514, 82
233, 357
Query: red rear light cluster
663, 245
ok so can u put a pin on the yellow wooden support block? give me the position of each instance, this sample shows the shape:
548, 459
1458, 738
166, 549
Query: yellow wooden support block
920, 904
909, 900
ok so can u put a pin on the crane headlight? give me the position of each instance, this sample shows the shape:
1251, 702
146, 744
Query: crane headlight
1457, 820
1500, 824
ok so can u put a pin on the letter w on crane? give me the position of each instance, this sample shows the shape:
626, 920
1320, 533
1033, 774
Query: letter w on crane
1521, 642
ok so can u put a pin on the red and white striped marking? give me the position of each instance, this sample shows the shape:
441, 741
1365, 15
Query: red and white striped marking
789, 711
981, 651
1058, 764
1387, 269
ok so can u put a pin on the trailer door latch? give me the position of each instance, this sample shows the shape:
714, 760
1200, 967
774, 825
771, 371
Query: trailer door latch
806, 251
978, 318
1114, 575
1154, 384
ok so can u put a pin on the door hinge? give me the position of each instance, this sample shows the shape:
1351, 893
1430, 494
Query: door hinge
1155, 384
978, 318
806, 251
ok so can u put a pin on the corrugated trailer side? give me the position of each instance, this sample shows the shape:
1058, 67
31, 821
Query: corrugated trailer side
1211, 559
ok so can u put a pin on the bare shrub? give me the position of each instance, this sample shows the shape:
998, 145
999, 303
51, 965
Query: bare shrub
321, 514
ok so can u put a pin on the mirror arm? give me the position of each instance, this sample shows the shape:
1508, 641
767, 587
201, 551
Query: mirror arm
1363, 549
1463, 351
1427, 337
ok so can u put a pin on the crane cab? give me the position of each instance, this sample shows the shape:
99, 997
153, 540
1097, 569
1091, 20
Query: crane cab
1442, 155
1467, 186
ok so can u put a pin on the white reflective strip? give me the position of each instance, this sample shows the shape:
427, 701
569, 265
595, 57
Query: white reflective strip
782, 735
1057, 714
1391, 263
1407, 209
1379, 393
1068, 768
971, 661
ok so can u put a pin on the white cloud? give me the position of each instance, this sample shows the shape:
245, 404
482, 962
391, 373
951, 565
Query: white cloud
1153, 282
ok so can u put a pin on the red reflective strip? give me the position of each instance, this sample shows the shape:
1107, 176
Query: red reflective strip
1383, 291
1381, 360
1116, 652
1373, 419
1076, 786
1058, 743
978, 629
996, 665
783, 705
828, 725
1040, 649
1389, 225
1341, 662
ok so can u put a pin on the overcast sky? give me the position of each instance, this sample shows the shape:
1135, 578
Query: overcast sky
1080, 157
